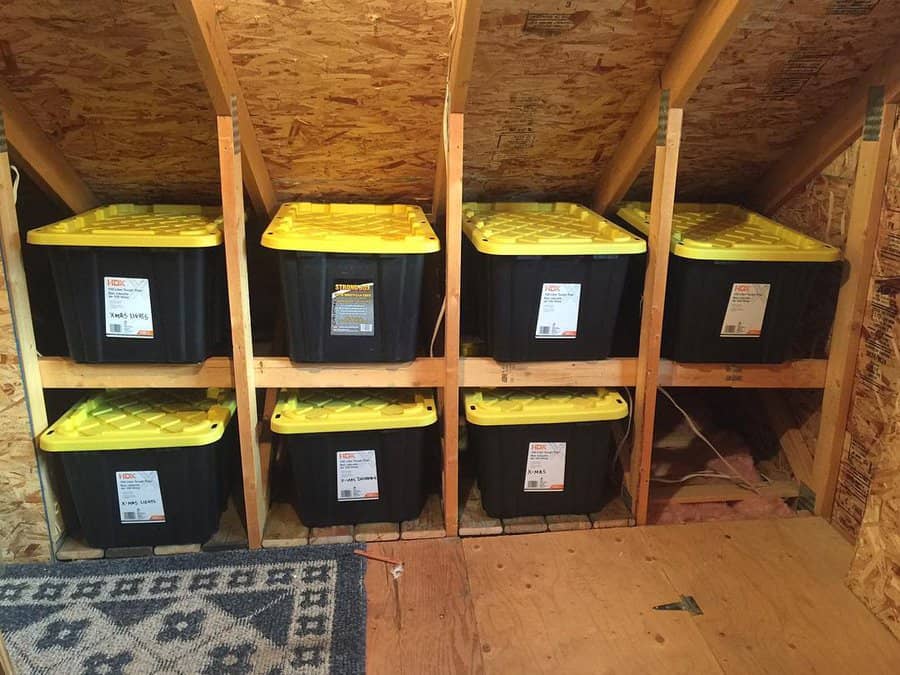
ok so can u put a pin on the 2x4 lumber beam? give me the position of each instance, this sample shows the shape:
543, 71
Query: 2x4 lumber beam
280, 371
453, 271
256, 497
662, 203
214, 60
459, 73
23, 329
859, 254
62, 373
828, 138
40, 157
712, 25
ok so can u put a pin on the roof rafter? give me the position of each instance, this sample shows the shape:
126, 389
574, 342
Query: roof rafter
710, 28
40, 157
828, 138
214, 60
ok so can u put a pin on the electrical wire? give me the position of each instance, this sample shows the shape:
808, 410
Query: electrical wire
15, 184
696, 474
617, 457
437, 326
736, 477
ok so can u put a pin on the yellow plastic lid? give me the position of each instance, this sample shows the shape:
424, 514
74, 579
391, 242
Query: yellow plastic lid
350, 228
727, 232
134, 419
494, 407
310, 411
133, 225
555, 228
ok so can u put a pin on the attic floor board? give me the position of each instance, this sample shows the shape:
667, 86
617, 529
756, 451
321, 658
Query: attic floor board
772, 593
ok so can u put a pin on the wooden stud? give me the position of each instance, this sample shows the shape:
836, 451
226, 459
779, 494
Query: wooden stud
716, 490
710, 28
826, 139
662, 202
23, 329
337, 534
859, 254
256, 492
284, 528
524, 525
214, 61
366, 532
802, 374
429, 524
453, 256
40, 158
274, 372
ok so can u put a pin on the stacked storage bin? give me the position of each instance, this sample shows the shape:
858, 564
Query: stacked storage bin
542, 451
738, 283
149, 466
352, 279
358, 456
140, 283
545, 279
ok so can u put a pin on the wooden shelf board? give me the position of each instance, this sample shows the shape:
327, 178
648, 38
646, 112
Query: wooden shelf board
62, 373
279, 371
486, 372
719, 491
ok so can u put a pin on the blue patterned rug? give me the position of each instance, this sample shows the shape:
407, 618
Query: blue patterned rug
274, 612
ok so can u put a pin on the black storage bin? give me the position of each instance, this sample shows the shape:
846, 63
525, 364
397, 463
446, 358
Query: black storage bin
140, 284
352, 279
357, 456
545, 279
170, 490
542, 451
738, 283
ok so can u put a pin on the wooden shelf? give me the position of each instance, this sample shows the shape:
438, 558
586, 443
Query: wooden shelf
486, 372
279, 371
63, 373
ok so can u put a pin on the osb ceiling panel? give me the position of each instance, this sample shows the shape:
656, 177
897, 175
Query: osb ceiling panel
786, 66
346, 97
555, 86
115, 85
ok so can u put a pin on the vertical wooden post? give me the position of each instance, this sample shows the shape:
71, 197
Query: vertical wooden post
23, 329
665, 169
859, 254
453, 258
256, 493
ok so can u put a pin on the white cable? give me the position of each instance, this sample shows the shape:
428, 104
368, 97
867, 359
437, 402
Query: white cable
698, 474
624, 438
737, 476
15, 184
437, 326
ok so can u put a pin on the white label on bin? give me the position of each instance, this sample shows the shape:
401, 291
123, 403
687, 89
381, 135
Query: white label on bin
558, 313
545, 470
128, 313
357, 476
140, 500
746, 310
353, 309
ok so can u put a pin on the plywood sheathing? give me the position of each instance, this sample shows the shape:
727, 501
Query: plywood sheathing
870, 465
23, 528
346, 97
115, 85
788, 64
555, 86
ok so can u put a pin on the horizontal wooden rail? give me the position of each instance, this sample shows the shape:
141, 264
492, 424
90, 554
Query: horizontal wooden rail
63, 373
485, 372
279, 371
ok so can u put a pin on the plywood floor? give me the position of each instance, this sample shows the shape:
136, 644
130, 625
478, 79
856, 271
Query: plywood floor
772, 593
